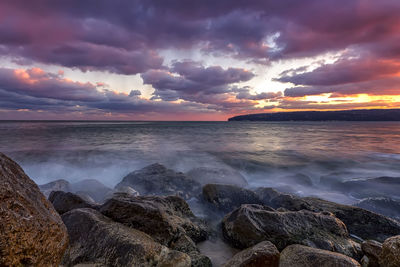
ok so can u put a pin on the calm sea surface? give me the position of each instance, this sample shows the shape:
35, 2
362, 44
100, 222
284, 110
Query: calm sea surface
263, 152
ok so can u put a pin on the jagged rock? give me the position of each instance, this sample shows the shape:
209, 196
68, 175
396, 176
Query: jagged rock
360, 222
156, 179
163, 218
66, 201
390, 254
381, 205
92, 188
228, 197
371, 249
262, 254
32, 232
303, 256
205, 176
97, 240
57, 185
251, 224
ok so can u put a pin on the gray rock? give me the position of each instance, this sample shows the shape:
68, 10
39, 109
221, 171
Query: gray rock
163, 218
228, 197
97, 240
185, 244
360, 222
66, 201
390, 254
381, 205
57, 185
251, 224
205, 176
303, 256
262, 254
156, 179
92, 188
372, 249
32, 233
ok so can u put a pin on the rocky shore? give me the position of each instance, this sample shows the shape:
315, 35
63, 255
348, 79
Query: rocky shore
158, 217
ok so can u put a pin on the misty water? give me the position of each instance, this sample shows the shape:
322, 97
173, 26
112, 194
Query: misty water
263, 152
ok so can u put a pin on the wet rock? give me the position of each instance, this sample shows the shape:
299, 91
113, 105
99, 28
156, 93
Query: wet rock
372, 249
97, 240
360, 222
32, 232
262, 254
228, 197
390, 254
66, 201
92, 188
121, 190
251, 224
381, 205
163, 218
303, 256
185, 244
205, 176
156, 179
57, 185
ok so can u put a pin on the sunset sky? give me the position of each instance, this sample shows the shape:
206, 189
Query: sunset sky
196, 60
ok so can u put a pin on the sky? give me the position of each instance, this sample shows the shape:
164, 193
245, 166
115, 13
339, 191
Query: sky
195, 60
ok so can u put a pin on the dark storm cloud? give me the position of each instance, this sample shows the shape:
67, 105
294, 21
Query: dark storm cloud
191, 81
123, 36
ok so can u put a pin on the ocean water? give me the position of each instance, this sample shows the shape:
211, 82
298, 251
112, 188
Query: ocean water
265, 153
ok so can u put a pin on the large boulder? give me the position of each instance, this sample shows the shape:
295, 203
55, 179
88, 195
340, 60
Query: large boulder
185, 244
381, 205
207, 175
228, 197
163, 218
32, 232
390, 254
66, 201
371, 249
262, 254
303, 256
57, 185
97, 240
156, 179
251, 224
359, 222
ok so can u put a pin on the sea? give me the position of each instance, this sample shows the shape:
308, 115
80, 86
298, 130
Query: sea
264, 153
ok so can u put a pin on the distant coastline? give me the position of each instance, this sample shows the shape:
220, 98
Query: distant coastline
342, 115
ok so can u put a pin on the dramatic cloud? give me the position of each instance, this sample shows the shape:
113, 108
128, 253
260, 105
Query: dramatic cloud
150, 40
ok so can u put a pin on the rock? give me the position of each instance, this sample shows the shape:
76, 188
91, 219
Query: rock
365, 261
92, 188
57, 185
303, 256
66, 201
156, 179
32, 232
207, 175
185, 244
372, 249
262, 254
163, 218
251, 224
97, 240
381, 205
228, 197
86, 197
390, 254
360, 222
122, 189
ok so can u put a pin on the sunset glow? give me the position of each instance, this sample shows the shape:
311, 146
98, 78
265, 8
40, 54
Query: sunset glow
168, 60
